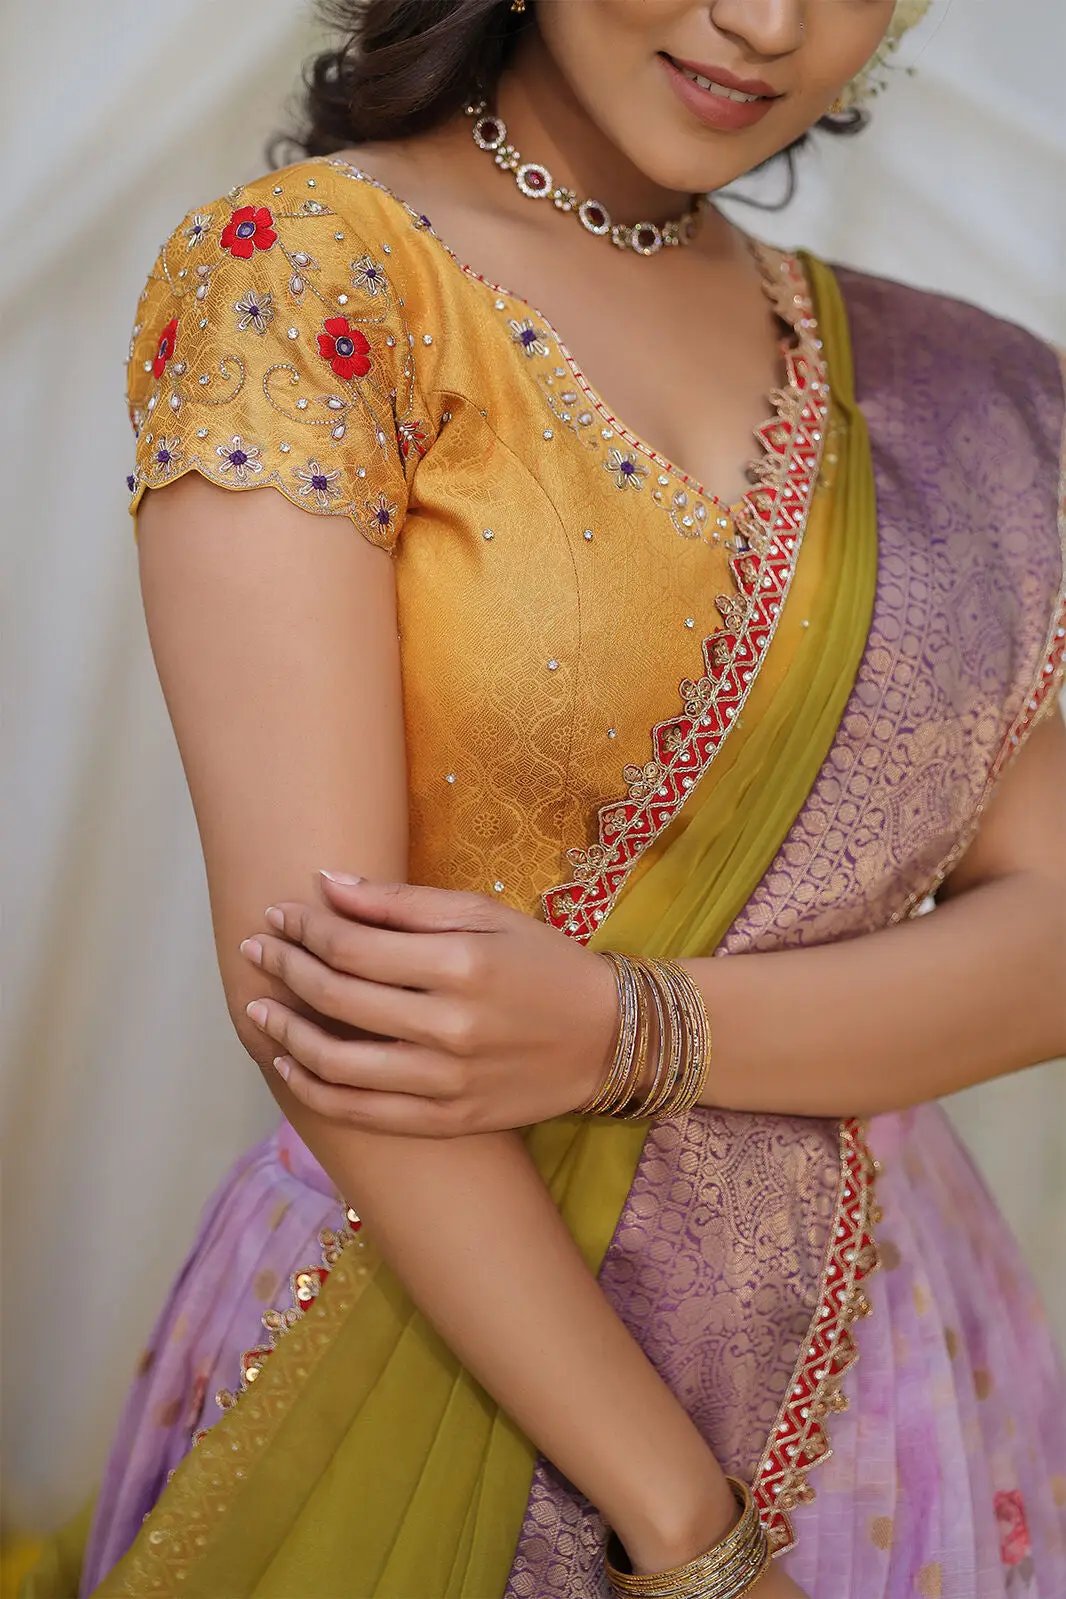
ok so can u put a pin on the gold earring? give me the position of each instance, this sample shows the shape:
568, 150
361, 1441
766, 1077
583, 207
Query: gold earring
518, 5
839, 105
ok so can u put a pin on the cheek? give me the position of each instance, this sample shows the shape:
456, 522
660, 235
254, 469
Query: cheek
604, 39
638, 16
605, 49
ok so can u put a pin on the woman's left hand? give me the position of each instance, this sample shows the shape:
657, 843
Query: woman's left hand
488, 1018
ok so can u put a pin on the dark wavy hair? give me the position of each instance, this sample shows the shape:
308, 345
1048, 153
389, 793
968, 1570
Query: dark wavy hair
404, 66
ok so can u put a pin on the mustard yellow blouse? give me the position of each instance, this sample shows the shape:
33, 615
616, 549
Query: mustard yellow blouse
556, 578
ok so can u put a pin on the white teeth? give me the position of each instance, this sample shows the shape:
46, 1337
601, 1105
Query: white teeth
719, 88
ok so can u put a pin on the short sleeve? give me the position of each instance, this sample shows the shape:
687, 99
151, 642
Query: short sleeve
270, 348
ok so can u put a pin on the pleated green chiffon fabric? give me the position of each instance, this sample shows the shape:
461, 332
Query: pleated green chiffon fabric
365, 1459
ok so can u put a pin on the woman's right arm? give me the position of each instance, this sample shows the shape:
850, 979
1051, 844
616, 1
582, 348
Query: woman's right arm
275, 637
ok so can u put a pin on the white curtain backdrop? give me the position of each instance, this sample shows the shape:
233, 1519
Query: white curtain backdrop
125, 1095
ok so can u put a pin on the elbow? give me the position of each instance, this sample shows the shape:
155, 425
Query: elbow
256, 1044
240, 988
242, 982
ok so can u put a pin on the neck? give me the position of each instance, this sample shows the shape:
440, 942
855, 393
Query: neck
548, 124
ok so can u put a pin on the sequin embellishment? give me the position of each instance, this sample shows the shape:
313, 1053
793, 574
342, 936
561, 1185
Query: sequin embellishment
304, 1286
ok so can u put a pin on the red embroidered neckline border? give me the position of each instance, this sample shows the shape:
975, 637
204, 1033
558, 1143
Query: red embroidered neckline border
770, 528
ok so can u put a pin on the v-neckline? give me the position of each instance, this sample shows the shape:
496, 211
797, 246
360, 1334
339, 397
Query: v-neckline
786, 285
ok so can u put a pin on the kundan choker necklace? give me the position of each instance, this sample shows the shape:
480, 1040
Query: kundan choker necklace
535, 181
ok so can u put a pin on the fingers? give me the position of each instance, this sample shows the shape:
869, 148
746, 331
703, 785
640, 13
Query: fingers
415, 907
403, 1013
405, 959
388, 1065
401, 1114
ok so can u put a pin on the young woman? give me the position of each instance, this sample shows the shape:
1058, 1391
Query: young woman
527, 639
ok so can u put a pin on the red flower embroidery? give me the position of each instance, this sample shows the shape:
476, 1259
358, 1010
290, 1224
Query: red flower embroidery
412, 436
165, 348
249, 229
1014, 1544
345, 348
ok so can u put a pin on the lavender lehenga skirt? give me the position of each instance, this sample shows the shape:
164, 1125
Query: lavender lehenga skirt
947, 1472
957, 1400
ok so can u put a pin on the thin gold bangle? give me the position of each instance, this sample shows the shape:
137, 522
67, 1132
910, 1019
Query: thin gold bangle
618, 1070
691, 1041
690, 1086
603, 1094
638, 1051
693, 1093
640, 1061
670, 1041
628, 1056
651, 991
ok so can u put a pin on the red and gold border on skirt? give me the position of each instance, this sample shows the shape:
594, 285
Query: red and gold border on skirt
799, 1439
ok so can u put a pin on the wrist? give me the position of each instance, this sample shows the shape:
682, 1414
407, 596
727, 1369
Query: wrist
657, 1537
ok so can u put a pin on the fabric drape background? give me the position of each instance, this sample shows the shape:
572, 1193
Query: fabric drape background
125, 1093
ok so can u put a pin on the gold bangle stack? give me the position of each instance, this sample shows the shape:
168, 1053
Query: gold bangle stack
729, 1569
683, 1032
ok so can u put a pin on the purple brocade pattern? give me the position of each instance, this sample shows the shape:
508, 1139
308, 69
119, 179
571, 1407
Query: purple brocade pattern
965, 417
948, 1473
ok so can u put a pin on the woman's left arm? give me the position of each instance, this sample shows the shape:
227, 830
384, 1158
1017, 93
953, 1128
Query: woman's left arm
875, 1023
971, 991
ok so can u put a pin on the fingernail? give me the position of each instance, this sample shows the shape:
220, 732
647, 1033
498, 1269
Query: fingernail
253, 949
340, 877
283, 1065
275, 917
257, 1011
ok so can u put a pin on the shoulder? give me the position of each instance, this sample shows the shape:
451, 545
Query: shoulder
272, 333
945, 343
318, 204
279, 257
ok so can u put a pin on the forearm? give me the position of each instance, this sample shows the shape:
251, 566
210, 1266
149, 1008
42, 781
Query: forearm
968, 992
470, 1229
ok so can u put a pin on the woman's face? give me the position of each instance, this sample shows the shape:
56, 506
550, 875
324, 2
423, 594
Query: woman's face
634, 64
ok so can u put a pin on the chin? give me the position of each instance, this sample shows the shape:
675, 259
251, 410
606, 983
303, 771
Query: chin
693, 171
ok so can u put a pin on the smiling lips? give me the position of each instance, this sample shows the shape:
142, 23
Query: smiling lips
716, 96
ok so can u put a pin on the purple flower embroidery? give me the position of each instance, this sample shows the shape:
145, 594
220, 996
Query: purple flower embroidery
254, 311
628, 474
315, 480
380, 519
196, 232
239, 458
530, 339
369, 275
131, 482
166, 455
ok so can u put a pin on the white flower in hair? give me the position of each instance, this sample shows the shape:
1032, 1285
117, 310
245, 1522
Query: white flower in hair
874, 75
